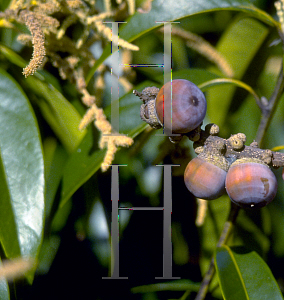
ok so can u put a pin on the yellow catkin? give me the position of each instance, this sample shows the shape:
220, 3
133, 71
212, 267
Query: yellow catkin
200, 45
72, 61
25, 39
99, 17
123, 141
16, 268
41, 22
87, 99
73, 4
99, 82
99, 88
101, 122
126, 59
201, 212
131, 6
38, 40
17, 4
109, 157
47, 23
71, 19
88, 117
85, 34
49, 8
107, 4
125, 83
112, 143
279, 5
91, 2
107, 33
146, 7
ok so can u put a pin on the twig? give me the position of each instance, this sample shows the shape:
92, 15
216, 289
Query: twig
267, 113
234, 149
268, 110
227, 229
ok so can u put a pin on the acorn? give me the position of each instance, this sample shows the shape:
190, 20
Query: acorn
188, 106
205, 175
251, 183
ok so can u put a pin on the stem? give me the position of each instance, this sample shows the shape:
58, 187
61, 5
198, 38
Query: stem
227, 229
268, 110
267, 113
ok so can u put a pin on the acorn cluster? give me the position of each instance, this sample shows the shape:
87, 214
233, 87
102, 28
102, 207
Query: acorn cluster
222, 165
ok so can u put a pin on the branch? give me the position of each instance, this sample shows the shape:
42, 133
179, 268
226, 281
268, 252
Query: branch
227, 229
268, 110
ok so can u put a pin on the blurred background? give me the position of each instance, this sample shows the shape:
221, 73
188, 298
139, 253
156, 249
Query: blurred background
75, 252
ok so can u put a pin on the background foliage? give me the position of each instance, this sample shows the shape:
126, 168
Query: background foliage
55, 203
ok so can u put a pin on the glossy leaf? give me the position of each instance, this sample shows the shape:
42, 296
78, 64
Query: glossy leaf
80, 167
244, 275
4, 288
22, 173
55, 159
220, 81
170, 10
216, 216
61, 115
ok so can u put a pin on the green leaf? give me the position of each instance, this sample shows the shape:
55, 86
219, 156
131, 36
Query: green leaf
82, 164
47, 254
197, 76
239, 45
177, 285
216, 216
230, 278
55, 159
60, 114
16, 59
12, 56
220, 81
170, 10
21, 173
244, 275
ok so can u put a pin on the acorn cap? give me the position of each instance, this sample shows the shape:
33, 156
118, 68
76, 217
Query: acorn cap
213, 152
215, 159
149, 115
248, 160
